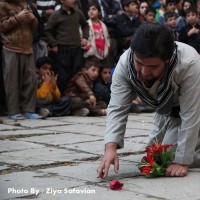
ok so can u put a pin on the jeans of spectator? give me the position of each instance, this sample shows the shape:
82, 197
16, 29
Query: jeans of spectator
58, 108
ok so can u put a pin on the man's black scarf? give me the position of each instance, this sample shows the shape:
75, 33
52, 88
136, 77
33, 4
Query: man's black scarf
163, 103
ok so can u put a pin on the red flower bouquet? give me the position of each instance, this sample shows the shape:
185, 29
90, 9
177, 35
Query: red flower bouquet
156, 161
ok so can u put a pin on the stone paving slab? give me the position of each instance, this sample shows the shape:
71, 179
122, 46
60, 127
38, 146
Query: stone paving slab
8, 133
132, 158
83, 129
37, 123
82, 120
25, 184
87, 171
82, 174
41, 156
60, 139
94, 130
7, 145
185, 188
4, 127
133, 118
101, 193
97, 147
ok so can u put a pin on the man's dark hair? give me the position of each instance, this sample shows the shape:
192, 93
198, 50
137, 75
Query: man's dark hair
191, 10
153, 40
168, 14
127, 2
92, 61
42, 61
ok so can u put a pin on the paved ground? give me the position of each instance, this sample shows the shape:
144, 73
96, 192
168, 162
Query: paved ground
57, 158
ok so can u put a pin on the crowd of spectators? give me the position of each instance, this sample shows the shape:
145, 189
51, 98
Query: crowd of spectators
58, 56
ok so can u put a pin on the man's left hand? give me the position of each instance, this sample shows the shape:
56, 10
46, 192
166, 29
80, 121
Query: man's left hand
177, 170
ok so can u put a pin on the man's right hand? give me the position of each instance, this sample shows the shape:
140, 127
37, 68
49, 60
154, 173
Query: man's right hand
110, 157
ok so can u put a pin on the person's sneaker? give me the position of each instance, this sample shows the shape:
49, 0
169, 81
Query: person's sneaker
81, 112
44, 112
30, 115
16, 117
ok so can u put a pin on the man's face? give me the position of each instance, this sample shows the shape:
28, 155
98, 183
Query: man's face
92, 72
149, 69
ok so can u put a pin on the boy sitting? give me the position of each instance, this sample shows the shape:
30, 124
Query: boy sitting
49, 100
79, 88
190, 33
170, 22
102, 84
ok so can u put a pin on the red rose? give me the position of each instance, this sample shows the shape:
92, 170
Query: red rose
146, 170
150, 159
156, 147
116, 185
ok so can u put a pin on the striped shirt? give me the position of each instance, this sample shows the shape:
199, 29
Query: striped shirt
43, 5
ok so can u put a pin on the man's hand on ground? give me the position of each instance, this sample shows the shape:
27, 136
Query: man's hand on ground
109, 158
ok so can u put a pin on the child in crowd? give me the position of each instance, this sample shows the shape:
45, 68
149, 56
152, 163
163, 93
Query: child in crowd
187, 4
170, 22
49, 100
80, 88
143, 5
150, 14
46, 7
126, 24
102, 84
160, 11
171, 6
198, 10
98, 41
110, 9
190, 34
64, 40
17, 23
